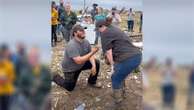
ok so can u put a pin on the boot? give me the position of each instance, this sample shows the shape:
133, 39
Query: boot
117, 103
117, 96
124, 93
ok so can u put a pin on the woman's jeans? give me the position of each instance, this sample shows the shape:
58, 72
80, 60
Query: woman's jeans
123, 69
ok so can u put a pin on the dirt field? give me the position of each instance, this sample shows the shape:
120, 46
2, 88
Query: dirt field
94, 99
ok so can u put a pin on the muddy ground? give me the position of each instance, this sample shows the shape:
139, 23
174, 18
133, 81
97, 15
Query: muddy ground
93, 98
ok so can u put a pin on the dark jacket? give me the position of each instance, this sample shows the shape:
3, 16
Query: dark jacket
68, 20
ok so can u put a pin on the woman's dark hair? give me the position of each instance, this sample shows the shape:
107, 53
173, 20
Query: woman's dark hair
53, 3
108, 21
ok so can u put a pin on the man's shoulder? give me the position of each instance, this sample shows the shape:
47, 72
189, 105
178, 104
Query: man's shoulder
72, 42
86, 42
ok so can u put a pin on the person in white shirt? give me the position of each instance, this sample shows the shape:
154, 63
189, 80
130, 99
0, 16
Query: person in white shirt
115, 17
168, 87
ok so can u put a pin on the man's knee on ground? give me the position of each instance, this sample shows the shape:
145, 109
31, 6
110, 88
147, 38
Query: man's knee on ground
69, 88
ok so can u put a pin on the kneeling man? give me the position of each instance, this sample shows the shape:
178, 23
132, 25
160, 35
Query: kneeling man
78, 56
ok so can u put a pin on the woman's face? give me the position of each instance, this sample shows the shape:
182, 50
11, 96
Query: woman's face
102, 29
53, 5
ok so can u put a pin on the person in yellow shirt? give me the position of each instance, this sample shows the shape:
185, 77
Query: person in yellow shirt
7, 76
54, 22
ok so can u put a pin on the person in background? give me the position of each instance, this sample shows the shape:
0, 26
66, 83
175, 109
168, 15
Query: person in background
87, 19
54, 21
68, 18
7, 77
190, 102
141, 22
20, 61
130, 20
115, 17
78, 56
120, 53
94, 11
99, 16
168, 87
34, 81
61, 7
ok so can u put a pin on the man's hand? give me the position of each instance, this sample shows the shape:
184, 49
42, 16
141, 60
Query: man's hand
94, 49
93, 71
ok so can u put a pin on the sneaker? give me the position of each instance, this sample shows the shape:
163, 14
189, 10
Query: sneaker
97, 85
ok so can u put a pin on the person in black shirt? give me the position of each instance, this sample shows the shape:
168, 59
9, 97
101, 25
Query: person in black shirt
120, 53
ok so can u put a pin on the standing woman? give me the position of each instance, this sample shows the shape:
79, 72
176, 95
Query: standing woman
120, 53
54, 21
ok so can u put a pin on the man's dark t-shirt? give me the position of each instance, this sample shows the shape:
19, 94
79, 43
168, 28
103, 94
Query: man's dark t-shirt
122, 48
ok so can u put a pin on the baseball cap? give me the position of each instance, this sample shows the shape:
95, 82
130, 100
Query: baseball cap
100, 23
77, 28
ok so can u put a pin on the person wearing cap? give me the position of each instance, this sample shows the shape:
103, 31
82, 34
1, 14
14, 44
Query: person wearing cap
7, 77
120, 53
68, 18
115, 17
78, 56
94, 11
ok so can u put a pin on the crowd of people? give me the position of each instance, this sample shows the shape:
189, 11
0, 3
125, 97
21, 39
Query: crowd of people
63, 18
24, 81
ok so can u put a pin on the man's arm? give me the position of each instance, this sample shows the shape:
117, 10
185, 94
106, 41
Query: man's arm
83, 59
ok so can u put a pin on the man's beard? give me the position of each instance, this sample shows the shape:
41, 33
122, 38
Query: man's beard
80, 36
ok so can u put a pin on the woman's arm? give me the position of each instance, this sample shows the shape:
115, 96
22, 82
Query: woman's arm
109, 56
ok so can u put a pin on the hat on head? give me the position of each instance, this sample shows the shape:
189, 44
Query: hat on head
100, 23
114, 8
77, 28
95, 5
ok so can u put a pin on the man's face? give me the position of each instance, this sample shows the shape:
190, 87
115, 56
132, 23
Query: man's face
68, 7
61, 1
80, 34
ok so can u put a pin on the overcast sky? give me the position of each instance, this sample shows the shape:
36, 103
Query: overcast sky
79, 4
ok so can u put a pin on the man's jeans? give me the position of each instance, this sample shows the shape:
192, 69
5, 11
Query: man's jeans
123, 69
70, 78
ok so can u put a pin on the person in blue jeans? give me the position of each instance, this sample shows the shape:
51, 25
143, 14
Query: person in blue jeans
121, 53
190, 102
